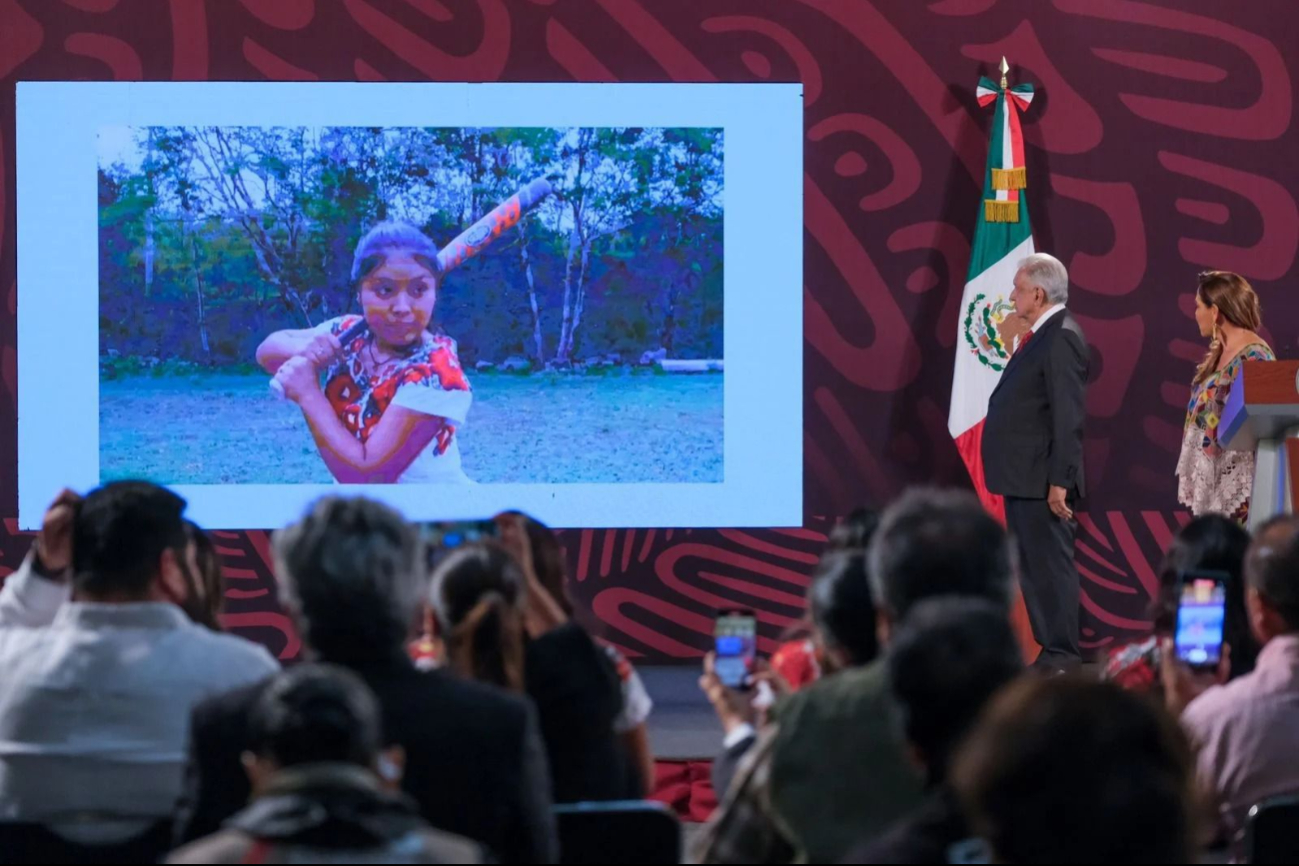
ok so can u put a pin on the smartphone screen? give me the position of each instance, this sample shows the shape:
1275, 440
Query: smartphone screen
1201, 616
444, 536
735, 635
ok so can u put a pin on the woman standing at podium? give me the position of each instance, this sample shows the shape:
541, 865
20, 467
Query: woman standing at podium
1210, 479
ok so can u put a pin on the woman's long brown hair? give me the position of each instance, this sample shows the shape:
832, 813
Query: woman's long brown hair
1236, 300
478, 591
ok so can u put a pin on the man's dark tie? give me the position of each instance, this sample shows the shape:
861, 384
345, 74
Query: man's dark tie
1023, 341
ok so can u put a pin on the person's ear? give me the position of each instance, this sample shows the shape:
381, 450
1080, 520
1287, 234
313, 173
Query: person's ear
259, 770
172, 584
883, 627
390, 766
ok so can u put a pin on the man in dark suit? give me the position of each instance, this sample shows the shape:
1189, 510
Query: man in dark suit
475, 763
1033, 453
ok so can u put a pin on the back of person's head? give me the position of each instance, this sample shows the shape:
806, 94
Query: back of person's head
933, 542
1209, 542
478, 594
945, 662
842, 611
1063, 770
854, 531
209, 584
1238, 304
316, 713
125, 535
352, 570
1272, 576
547, 558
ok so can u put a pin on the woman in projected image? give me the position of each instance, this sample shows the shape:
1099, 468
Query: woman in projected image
394, 393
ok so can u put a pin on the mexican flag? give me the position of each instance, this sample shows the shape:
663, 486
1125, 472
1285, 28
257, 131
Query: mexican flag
1002, 237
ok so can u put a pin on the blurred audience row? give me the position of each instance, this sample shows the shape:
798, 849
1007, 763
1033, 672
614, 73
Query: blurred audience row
444, 705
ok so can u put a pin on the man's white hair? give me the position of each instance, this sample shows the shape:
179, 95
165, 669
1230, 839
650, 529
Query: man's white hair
1045, 270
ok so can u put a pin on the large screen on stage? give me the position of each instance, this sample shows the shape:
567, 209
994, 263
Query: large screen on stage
583, 301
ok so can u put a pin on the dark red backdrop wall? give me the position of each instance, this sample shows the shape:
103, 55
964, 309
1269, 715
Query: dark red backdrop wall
1161, 144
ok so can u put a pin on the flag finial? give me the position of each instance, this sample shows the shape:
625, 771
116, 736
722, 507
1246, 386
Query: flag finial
1004, 67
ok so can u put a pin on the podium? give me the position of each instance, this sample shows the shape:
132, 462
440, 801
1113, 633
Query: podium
1262, 415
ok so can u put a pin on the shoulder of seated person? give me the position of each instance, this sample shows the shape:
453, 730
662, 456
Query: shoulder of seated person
481, 696
242, 660
234, 703
224, 846
1220, 702
853, 685
451, 848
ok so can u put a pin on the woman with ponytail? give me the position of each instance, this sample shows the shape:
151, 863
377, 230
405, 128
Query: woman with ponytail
481, 601
500, 627
1209, 479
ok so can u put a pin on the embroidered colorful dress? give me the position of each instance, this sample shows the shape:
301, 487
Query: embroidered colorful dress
1211, 480
429, 381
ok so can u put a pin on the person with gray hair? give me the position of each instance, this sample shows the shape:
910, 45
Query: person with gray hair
394, 393
353, 574
1032, 452
831, 769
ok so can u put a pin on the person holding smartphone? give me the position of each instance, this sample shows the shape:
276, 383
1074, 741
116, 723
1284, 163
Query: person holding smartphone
742, 688
1247, 729
1210, 543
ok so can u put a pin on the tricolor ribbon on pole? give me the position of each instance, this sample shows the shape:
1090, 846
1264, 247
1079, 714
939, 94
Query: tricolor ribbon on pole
1006, 176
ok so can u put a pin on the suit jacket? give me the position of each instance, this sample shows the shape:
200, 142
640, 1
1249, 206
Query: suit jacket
1033, 435
475, 762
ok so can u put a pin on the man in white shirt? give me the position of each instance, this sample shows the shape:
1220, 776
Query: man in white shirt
102, 666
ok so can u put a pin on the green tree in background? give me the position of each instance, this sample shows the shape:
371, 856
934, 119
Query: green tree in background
210, 237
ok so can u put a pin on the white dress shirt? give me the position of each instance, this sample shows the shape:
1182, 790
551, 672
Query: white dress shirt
1041, 320
95, 702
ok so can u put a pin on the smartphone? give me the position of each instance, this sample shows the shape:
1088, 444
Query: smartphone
1201, 618
735, 639
443, 536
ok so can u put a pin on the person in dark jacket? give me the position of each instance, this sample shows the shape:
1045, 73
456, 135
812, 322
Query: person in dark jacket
353, 572
501, 627
1033, 453
949, 657
323, 789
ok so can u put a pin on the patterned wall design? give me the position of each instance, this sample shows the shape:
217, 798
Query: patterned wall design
1161, 143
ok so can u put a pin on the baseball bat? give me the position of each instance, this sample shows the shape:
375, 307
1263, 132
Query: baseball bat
468, 243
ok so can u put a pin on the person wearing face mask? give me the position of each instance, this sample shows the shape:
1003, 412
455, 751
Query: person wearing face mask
103, 661
394, 393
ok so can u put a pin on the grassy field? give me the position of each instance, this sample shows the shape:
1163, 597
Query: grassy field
217, 428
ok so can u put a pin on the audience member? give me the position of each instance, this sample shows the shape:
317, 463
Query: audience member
1210, 542
795, 793
480, 597
797, 661
209, 584
352, 573
323, 792
1062, 770
102, 667
1247, 731
546, 557
843, 628
854, 531
947, 660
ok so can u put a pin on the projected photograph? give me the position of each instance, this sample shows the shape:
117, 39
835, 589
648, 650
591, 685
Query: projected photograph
310, 304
